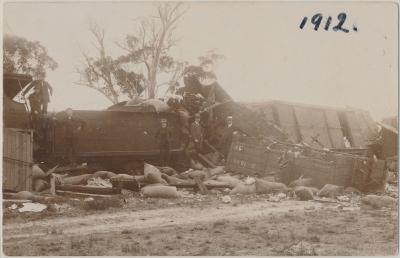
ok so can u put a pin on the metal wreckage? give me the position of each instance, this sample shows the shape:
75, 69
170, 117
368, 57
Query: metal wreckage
281, 141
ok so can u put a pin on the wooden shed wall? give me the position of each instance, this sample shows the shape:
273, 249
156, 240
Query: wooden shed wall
17, 159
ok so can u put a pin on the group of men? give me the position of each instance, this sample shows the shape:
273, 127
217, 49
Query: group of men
196, 138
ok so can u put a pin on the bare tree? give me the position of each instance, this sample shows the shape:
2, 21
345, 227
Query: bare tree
104, 73
151, 44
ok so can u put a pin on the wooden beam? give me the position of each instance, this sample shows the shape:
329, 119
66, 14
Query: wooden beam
203, 189
88, 189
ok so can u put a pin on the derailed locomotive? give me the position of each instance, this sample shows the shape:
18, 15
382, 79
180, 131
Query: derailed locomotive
124, 134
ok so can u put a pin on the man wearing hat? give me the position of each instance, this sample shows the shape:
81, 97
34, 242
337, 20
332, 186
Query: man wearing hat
72, 126
227, 136
164, 137
197, 133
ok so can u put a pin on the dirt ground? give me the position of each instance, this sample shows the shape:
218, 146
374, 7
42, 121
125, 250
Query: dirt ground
201, 225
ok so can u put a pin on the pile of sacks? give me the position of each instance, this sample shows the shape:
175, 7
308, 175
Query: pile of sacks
161, 182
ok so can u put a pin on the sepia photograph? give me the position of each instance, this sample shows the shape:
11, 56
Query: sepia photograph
200, 128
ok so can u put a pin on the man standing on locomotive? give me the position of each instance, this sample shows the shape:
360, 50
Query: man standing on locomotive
164, 137
72, 126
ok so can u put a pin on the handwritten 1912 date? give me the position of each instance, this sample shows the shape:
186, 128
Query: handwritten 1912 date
317, 19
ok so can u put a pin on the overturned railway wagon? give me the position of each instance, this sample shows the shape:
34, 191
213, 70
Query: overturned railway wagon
319, 126
116, 137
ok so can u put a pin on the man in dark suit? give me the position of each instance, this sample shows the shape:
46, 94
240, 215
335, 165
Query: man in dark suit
46, 91
164, 135
72, 126
227, 135
197, 133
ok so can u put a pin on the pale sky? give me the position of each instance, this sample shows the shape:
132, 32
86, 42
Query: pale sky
267, 55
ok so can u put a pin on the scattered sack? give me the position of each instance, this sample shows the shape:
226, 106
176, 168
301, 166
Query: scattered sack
160, 191
214, 182
104, 174
37, 172
123, 177
314, 190
277, 198
77, 180
352, 190
25, 195
265, 187
301, 182
168, 171
244, 189
197, 173
216, 171
139, 179
100, 182
176, 181
377, 202
229, 180
40, 185
304, 193
134, 101
196, 165
249, 180
330, 191
158, 105
152, 174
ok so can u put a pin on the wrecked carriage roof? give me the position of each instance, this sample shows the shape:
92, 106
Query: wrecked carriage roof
125, 107
13, 83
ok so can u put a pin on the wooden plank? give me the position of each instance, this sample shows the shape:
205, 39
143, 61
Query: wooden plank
75, 194
205, 160
88, 189
15, 200
203, 189
52, 185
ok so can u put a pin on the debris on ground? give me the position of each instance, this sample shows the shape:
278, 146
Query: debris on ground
277, 198
304, 193
37, 172
229, 180
13, 206
77, 180
301, 182
265, 187
40, 185
153, 175
352, 190
244, 189
343, 198
300, 249
330, 191
379, 201
226, 199
104, 174
32, 207
160, 191
98, 181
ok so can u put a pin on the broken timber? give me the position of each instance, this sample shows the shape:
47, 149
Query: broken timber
203, 189
88, 189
